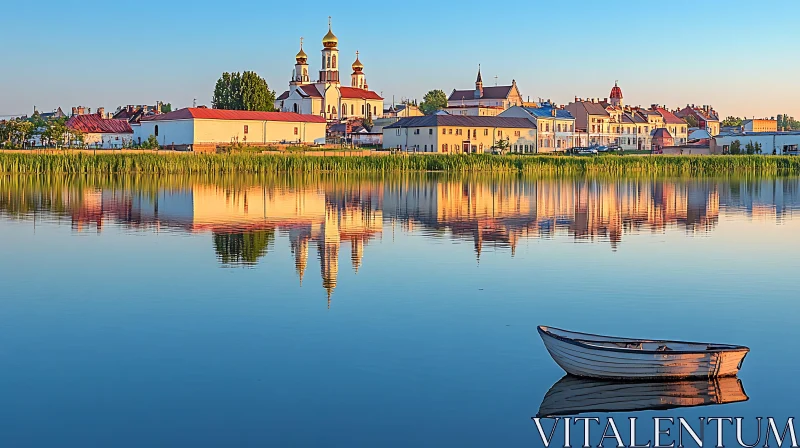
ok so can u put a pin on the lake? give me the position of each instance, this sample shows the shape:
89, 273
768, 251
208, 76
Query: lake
340, 310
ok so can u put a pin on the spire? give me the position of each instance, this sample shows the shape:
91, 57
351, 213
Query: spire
330, 40
479, 84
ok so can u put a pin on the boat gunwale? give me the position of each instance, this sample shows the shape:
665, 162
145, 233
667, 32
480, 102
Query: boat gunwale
545, 330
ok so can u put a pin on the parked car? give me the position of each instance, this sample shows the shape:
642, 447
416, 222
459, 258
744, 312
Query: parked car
583, 150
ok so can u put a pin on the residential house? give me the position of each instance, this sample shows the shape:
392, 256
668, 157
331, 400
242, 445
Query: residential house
454, 134
706, 117
592, 122
99, 132
555, 126
661, 139
404, 110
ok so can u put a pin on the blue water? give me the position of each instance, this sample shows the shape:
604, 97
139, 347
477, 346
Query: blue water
173, 314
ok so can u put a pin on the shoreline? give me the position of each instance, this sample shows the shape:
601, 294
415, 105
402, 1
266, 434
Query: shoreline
169, 162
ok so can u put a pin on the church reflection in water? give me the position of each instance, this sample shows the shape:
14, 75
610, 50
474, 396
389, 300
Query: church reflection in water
245, 221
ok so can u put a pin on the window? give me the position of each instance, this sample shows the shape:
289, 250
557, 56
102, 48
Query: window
398, 131
416, 131
444, 131
363, 111
499, 133
485, 132
426, 148
516, 133
374, 110
344, 109
351, 109
245, 129
333, 109
558, 127
450, 131
444, 147
430, 131
334, 61
547, 127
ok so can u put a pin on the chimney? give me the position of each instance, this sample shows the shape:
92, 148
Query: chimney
553, 110
74, 110
101, 111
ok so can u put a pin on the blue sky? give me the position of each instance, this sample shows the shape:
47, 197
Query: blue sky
738, 56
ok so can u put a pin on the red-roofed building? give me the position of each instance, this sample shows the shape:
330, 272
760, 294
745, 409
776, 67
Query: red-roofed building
707, 118
662, 138
677, 127
327, 97
99, 132
203, 129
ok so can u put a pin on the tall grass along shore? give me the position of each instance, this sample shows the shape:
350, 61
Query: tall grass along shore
25, 162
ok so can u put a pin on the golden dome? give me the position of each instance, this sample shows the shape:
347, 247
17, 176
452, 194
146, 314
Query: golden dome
301, 54
330, 40
357, 65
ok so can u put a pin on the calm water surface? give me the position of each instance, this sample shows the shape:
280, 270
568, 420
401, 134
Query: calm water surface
338, 311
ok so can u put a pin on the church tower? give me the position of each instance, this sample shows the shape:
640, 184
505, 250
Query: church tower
301, 67
616, 96
357, 79
329, 72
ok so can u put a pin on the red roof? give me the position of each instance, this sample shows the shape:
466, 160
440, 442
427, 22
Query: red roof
354, 92
223, 114
311, 90
669, 117
94, 124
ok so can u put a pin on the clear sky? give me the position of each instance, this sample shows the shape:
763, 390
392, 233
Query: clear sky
740, 57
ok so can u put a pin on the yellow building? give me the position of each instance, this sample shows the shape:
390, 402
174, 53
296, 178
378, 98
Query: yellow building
555, 126
461, 134
760, 125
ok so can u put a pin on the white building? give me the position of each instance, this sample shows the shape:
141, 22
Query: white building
778, 143
202, 129
99, 132
327, 97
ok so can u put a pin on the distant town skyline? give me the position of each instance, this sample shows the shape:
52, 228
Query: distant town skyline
737, 59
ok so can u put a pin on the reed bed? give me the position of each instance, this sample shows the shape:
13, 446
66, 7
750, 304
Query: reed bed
149, 163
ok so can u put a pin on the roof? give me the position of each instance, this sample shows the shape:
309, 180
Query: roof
354, 92
222, 114
548, 112
461, 120
662, 133
283, 96
310, 90
594, 108
669, 117
491, 93
94, 124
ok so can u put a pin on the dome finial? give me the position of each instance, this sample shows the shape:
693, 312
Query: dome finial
330, 40
301, 55
357, 65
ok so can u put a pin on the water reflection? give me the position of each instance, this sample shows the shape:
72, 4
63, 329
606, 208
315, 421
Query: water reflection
246, 217
572, 395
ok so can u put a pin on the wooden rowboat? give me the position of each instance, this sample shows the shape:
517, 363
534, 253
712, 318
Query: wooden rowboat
572, 395
606, 357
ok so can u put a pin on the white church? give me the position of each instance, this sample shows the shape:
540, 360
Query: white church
327, 97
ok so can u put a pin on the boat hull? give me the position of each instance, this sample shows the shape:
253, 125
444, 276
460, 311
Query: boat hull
588, 361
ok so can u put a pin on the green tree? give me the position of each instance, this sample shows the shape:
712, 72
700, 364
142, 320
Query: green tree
245, 91
150, 143
731, 121
166, 107
242, 248
433, 101
691, 120
736, 147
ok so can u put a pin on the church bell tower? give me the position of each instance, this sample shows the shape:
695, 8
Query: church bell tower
329, 72
301, 67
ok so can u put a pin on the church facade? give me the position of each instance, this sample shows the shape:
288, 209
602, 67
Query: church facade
326, 96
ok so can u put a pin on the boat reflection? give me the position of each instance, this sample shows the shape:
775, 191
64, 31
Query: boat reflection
573, 395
